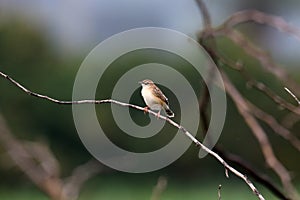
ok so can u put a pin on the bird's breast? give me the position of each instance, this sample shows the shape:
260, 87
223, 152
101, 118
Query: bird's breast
152, 101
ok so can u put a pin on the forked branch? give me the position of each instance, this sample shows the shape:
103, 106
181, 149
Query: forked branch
266, 147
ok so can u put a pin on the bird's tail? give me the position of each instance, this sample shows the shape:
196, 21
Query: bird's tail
169, 112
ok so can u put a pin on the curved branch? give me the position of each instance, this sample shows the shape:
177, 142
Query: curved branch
259, 85
261, 18
253, 172
275, 125
261, 136
266, 61
205, 14
293, 95
261, 178
184, 130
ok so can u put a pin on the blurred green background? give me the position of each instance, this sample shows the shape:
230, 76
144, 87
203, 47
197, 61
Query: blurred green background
42, 45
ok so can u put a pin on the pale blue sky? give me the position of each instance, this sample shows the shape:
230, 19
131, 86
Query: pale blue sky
77, 26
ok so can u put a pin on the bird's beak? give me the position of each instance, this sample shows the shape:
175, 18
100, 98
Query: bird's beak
140, 82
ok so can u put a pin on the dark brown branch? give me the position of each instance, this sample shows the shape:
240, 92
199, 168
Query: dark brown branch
213, 53
276, 126
264, 58
261, 137
204, 99
205, 14
260, 18
251, 171
266, 61
262, 178
267, 118
262, 87
210, 47
290, 120
262, 115
273, 96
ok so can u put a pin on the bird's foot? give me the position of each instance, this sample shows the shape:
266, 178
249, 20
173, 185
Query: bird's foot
146, 109
158, 115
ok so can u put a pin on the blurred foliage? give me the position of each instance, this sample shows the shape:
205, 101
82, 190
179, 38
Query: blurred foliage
25, 55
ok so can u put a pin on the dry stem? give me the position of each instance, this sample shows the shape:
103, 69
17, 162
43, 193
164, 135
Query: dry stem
184, 130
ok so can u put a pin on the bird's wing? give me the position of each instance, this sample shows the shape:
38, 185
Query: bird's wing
158, 93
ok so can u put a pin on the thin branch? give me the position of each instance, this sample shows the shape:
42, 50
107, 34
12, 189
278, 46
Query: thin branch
293, 95
204, 97
259, 177
259, 85
264, 58
276, 126
262, 138
262, 115
269, 65
205, 14
273, 96
184, 130
290, 120
252, 171
219, 192
261, 18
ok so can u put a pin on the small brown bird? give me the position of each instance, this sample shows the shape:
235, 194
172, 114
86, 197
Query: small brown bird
154, 98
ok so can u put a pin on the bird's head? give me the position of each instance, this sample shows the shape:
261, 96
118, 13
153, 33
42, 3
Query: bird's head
146, 82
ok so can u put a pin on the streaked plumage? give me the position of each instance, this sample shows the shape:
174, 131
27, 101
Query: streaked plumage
154, 98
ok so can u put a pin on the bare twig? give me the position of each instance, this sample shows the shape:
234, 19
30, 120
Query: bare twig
262, 138
25, 161
260, 86
290, 120
159, 188
262, 18
264, 179
264, 58
273, 96
205, 14
184, 130
262, 115
276, 126
268, 64
293, 95
219, 192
